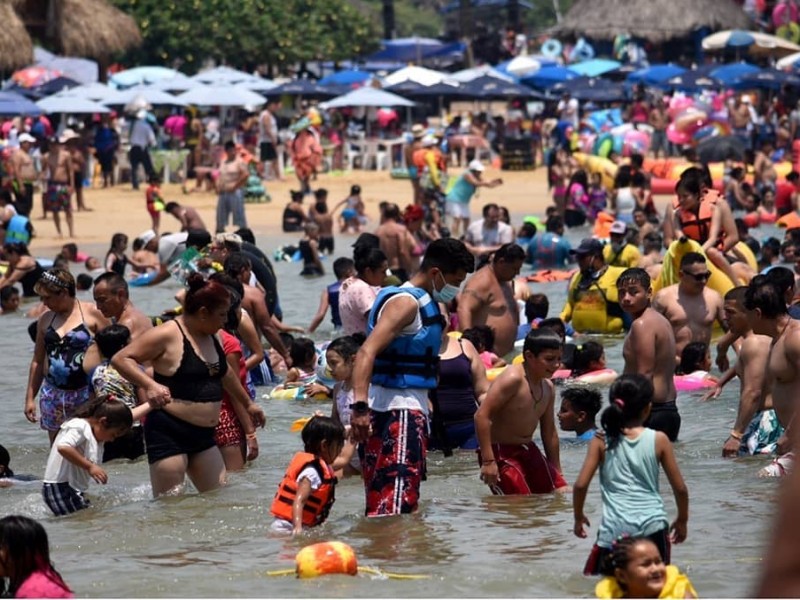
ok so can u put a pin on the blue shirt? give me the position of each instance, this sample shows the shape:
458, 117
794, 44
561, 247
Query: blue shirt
462, 191
549, 250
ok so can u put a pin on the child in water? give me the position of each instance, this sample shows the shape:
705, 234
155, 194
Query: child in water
7, 476
304, 360
629, 458
696, 361
579, 407
25, 567
78, 451
634, 569
482, 337
588, 358
306, 493
309, 248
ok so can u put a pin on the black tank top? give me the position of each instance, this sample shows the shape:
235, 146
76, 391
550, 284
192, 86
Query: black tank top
28, 281
196, 380
292, 220
456, 394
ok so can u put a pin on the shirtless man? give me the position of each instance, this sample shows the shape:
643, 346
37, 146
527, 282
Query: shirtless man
269, 140
518, 401
396, 242
23, 170
766, 310
187, 215
765, 176
755, 398
488, 298
740, 119
58, 193
417, 133
690, 305
658, 120
649, 349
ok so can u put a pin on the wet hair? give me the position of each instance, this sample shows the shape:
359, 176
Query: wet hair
366, 257
27, 551
230, 145
236, 263
320, 194
112, 339
736, 294
114, 281
71, 250
355, 190
481, 336
7, 293
391, 212
554, 324
527, 230
782, 278
637, 160
691, 181
449, 256
247, 235
117, 239
5, 461
54, 281
635, 275
554, 223
236, 290
198, 238
170, 206
342, 266
83, 281
584, 355
296, 196
539, 340
105, 406
629, 397
765, 295
773, 245
286, 338
347, 346
692, 356
619, 556
20, 248
137, 245
511, 252
583, 398
204, 294
321, 207
321, 429
692, 258
536, 307
652, 241
302, 351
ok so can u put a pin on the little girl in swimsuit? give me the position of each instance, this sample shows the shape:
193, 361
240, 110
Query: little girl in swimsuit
304, 358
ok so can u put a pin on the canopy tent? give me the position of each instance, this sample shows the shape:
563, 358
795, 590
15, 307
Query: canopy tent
414, 73
731, 74
595, 67
549, 76
145, 74
70, 105
365, 97
152, 96
754, 42
13, 104
346, 77
221, 95
655, 74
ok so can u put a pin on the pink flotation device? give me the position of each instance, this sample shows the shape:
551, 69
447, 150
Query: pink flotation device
699, 380
602, 376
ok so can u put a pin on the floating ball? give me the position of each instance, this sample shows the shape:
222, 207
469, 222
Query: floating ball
326, 558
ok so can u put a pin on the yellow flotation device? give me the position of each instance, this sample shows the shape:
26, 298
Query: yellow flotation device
597, 309
677, 585
293, 392
718, 280
492, 374
596, 164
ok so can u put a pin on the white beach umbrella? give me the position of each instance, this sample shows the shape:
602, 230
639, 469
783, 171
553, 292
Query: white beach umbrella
147, 94
523, 66
221, 95
789, 62
416, 74
367, 96
70, 105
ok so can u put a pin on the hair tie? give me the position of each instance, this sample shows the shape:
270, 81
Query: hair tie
620, 402
53, 279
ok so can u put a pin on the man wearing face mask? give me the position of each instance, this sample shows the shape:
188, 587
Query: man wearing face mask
592, 300
393, 372
619, 253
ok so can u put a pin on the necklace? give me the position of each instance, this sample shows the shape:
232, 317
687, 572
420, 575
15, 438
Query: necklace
530, 388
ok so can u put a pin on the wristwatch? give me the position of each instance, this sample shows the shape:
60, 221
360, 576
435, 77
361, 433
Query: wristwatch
359, 407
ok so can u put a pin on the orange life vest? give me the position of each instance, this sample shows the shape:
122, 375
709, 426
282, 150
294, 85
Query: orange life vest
420, 158
697, 226
319, 501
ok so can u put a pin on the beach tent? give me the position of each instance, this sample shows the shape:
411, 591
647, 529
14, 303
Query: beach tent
547, 77
221, 95
139, 75
70, 105
731, 74
595, 67
366, 97
655, 74
414, 73
13, 104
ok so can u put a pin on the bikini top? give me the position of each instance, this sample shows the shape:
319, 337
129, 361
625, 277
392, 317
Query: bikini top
195, 380
65, 355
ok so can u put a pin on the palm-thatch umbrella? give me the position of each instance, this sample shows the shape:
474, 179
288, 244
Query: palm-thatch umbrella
654, 20
16, 49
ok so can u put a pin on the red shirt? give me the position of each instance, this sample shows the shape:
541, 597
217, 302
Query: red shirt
783, 197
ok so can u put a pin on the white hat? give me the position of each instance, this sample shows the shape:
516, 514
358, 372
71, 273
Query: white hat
417, 131
147, 236
429, 140
141, 114
619, 228
746, 99
67, 135
234, 238
477, 166
26, 137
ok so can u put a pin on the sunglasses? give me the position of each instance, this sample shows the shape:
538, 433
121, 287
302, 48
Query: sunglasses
699, 277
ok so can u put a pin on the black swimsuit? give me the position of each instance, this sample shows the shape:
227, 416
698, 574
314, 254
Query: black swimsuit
29, 280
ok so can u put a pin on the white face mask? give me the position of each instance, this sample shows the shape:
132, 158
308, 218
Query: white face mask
447, 294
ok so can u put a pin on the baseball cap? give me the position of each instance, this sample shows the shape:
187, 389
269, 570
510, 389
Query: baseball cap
26, 137
588, 246
147, 236
476, 165
417, 131
67, 135
619, 228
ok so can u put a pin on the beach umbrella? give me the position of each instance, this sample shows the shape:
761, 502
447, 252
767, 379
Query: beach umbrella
179, 83
93, 91
491, 88
366, 97
13, 104
31, 77
655, 74
414, 73
769, 79
406, 88
720, 149
473, 73
731, 74
346, 77
82, 70
446, 90
143, 95
407, 49
693, 81
302, 87
70, 105
595, 67
48, 88
792, 61
145, 74
523, 66
224, 75
219, 95
547, 77
762, 44
591, 89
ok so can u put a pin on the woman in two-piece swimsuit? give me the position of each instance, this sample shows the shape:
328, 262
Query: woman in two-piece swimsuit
190, 374
63, 335
22, 268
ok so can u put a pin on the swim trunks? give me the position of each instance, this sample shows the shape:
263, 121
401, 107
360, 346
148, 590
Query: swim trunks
63, 499
57, 196
57, 406
664, 417
523, 469
393, 461
762, 434
130, 446
166, 435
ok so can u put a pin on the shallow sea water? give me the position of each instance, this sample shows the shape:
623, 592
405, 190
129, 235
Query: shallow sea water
469, 543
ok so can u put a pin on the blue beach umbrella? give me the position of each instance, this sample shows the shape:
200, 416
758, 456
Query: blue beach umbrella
491, 87
769, 79
693, 81
547, 77
346, 77
731, 74
595, 67
302, 87
407, 49
739, 39
13, 104
655, 74
591, 89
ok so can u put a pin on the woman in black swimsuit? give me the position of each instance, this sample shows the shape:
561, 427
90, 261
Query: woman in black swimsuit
190, 373
22, 268
294, 215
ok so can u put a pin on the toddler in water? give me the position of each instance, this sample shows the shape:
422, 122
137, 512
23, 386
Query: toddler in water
304, 360
588, 358
78, 450
155, 202
696, 361
482, 337
628, 458
7, 476
25, 567
634, 569
306, 493
579, 407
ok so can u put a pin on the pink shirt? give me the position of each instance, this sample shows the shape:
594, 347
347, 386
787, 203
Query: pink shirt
356, 297
41, 584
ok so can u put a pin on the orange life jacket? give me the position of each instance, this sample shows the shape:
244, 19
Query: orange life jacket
697, 226
420, 158
319, 501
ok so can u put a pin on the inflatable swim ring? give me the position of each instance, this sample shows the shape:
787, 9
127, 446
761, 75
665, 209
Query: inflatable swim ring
783, 14
293, 392
600, 377
790, 31
699, 380
552, 48
143, 280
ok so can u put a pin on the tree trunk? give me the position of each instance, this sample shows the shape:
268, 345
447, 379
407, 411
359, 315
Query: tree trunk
388, 20
465, 27
557, 10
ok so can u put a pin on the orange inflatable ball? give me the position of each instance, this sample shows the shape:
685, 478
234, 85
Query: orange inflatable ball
326, 558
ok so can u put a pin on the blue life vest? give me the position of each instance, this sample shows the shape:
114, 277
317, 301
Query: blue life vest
410, 361
18, 229
333, 301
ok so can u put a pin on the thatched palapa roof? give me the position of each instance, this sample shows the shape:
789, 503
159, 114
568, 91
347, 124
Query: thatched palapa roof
16, 49
654, 20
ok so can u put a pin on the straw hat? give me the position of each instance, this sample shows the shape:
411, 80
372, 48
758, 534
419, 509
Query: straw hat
418, 131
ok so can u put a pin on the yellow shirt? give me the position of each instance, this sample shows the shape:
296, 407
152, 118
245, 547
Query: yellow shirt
594, 309
627, 257
677, 585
